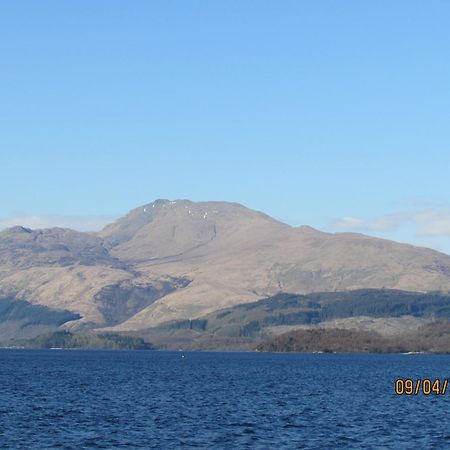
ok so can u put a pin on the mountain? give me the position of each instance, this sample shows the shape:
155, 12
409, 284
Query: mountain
63, 269
177, 260
166, 231
235, 255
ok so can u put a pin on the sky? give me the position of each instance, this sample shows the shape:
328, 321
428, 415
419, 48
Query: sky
333, 114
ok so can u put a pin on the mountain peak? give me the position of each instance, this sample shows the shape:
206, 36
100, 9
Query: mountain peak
165, 228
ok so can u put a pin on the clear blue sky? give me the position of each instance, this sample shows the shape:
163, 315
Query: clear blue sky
329, 113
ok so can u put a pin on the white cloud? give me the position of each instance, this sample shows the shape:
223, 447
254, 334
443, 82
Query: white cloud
347, 223
429, 222
80, 223
435, 223
383, 223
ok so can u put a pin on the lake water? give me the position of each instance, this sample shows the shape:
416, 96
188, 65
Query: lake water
143, 399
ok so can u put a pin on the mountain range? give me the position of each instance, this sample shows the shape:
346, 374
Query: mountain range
179, 260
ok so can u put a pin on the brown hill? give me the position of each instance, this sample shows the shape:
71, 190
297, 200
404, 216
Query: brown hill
23, 248
430, 338
68, 270
179, 259
235, 255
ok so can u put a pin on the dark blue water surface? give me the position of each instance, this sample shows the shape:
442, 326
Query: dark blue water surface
131, 399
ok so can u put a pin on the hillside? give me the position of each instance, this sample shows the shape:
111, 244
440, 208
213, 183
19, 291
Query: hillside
292, 309
21, 319
430, 338
66, 340
385, 312
332, 341
235, 255
24, 248
178, 260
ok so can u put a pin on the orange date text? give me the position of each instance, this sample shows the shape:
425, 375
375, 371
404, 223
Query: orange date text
425, 386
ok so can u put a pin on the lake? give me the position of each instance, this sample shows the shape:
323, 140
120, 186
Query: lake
72, 399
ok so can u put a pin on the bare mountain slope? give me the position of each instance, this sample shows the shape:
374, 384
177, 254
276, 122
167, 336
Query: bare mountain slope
235, 255
67, 270
22, 247
179, 259
174, 230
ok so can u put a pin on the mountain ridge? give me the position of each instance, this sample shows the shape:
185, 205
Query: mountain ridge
176, 259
